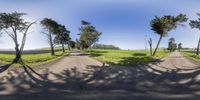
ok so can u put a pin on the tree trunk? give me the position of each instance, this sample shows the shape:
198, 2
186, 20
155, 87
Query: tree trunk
151, 50
17, 57
63, 48
69, 46
51, 44
150, 44
17, 51
157, 45
198, 47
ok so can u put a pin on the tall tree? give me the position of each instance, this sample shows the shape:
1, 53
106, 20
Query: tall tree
51, 27
71, 44
196, 24
162, 25
180, 47
62, 36
13, 25
171, 45
88, 35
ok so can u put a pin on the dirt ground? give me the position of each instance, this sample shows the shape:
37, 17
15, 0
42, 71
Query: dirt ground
79, 77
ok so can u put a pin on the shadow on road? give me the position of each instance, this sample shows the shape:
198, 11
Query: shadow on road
5, 67
103, 83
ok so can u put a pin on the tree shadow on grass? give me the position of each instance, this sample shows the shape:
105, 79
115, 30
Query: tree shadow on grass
138, 59
103, 83
139, 54
99, 51
94, 53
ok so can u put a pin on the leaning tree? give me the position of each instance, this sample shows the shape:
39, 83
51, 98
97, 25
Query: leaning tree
51, 27
62, 36
88, 35
13, 25
162, 25
196, 24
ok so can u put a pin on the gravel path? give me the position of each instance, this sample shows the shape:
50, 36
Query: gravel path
176, 61
74, 60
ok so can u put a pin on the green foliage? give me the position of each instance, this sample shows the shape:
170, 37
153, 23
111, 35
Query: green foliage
88, 35
195, 23
62, 36
72, 44
50, 25
162, 25
13, 20
180, 47
172, 46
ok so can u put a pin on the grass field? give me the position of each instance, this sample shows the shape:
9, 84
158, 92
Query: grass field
125, 57
32, 59
191, 55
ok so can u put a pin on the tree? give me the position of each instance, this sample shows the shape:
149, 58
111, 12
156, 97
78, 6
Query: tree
51, 27
150, 45
162, 25
88, 35
196, 24
172, 45
13, 25
180, 47
71, 44
62, 36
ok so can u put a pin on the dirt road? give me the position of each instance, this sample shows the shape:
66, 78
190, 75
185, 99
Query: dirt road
176, 61
78, 77
74, 60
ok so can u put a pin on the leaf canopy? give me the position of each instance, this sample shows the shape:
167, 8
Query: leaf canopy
50, 25
13, 21
162, 25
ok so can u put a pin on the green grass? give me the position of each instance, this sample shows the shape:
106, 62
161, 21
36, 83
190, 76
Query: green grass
191, 55
125, 57
32, 59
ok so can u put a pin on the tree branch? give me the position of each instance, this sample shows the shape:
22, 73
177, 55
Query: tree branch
9, 34
24, 37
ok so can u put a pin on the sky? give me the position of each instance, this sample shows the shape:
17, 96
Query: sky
124, 23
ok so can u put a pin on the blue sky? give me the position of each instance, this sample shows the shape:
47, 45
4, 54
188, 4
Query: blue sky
124, 23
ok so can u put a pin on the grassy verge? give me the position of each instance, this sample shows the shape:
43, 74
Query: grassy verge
191, 55
32, 59
125, 57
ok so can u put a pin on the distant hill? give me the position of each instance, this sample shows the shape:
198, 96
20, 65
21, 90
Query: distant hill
104, 46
